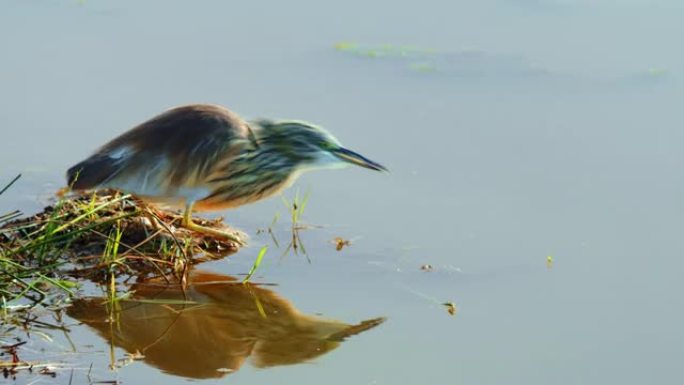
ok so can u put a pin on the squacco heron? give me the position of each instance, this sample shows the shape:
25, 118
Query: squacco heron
205, 157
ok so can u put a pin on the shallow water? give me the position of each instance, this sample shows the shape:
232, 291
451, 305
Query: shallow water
519, 129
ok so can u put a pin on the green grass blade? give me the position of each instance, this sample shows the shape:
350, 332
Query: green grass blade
256, 264
303, 203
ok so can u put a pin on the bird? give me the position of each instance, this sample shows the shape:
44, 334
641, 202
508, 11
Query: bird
204, 157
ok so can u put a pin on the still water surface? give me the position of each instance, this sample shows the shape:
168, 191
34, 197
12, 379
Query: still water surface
514, 130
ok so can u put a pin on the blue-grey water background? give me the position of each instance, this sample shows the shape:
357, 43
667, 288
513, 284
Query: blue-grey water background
514, 130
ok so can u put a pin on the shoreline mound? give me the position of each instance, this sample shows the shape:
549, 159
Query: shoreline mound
107, 232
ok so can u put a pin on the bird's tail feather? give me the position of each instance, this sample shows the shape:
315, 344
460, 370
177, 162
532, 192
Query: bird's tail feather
92, 172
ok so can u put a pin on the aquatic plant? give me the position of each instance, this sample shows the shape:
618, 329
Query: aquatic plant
296, 208
257, 263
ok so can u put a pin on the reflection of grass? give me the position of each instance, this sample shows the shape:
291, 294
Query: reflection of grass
24, 287
30, 250
296, 208
270, 228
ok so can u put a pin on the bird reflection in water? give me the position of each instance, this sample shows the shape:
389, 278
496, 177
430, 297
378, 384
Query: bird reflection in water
213, 327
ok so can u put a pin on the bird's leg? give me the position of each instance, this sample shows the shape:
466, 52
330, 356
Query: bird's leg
190, 225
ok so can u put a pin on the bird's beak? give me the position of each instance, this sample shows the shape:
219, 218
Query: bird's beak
357, 159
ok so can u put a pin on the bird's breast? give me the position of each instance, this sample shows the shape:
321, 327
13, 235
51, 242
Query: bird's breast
243, 191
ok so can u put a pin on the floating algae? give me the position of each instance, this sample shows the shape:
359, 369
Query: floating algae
464, 63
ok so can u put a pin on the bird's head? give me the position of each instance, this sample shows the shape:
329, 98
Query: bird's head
307, 145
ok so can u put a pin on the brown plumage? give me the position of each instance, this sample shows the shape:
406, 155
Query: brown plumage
193, 136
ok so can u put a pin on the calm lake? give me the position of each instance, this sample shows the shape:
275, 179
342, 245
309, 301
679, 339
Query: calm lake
514, 130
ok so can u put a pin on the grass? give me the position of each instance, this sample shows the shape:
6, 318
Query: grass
97, 237
257, 263
296, 209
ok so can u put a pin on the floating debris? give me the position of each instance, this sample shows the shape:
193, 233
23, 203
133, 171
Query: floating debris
451, 307
345, 46
128, 359
48, 371
136, 356
340, 243
426, 267
12, 367
422, 67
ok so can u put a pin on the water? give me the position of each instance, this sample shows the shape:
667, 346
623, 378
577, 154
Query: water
528, 129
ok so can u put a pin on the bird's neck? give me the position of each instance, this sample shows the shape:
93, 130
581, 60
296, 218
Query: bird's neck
274, 160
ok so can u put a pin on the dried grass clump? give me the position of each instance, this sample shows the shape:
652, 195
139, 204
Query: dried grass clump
86, 235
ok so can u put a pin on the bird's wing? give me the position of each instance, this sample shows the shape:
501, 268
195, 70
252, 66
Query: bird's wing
176, 149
